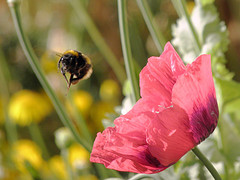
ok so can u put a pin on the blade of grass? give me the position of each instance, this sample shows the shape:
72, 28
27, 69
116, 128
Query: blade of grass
37, 137
181, 7
80, 121
10, 127
33, 61
155, 32
127, 55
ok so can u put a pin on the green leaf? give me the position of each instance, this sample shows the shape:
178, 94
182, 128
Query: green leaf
230, 139
230, 94
205, 2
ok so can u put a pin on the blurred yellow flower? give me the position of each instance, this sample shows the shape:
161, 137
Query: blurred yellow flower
49, 62
78, 157
110, 91
190, 6
83, 101
57, 167
26, 150
87, 177
98, 113
27, 106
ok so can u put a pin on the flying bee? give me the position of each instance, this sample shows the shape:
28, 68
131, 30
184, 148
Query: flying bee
75, 63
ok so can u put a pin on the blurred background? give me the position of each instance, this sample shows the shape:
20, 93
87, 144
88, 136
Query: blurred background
53, 27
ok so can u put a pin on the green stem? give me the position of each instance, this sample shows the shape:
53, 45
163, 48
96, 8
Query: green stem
155, 32
80, 121
33, 61
10, 127
181, 8
127, 55
177, 7
96, 36
141, 176
65, 157
207, 163
37, 137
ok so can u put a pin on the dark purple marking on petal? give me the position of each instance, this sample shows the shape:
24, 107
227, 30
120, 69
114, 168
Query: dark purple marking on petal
204, 119
152, 160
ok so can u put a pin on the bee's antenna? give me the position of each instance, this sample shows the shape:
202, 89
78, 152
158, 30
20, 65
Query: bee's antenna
59, 54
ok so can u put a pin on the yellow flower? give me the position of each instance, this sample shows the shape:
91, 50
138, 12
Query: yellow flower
27, 106
87, 177
83, 101
57, 167
98, 113
78, 157
190, 6
110, 91
26, 150
49, 62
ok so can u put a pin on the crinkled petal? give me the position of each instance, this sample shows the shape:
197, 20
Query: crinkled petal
121, 153
124, 147
195, 93
169, 136
160, 74
161, 95
167, 67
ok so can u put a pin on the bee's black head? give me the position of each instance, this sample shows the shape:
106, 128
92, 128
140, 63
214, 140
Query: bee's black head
68, 59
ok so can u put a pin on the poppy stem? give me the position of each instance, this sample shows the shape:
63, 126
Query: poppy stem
155, 32
126, 48
14, 6
207, 163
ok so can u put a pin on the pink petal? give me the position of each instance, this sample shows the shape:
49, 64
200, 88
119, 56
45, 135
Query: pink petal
169, 136
195, 93
160, 74
167, 67
152, 87
124, 147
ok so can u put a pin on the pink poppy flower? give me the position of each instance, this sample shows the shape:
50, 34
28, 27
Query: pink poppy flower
177, 111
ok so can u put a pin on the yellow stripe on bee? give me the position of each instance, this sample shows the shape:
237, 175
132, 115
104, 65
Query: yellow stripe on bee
73, 52
87, 59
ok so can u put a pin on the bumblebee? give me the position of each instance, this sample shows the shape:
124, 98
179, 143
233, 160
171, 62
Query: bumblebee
75, 63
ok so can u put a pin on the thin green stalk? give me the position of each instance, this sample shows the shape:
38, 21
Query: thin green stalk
33, 61
127, 55
181, 7
65, 157
207, 163
10, 127
80, 121
176, 5
97, 38
155, 32
141, 176
37, 137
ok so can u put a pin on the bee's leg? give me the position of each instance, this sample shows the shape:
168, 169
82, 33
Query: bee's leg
70, 81
76, 79
63, 73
